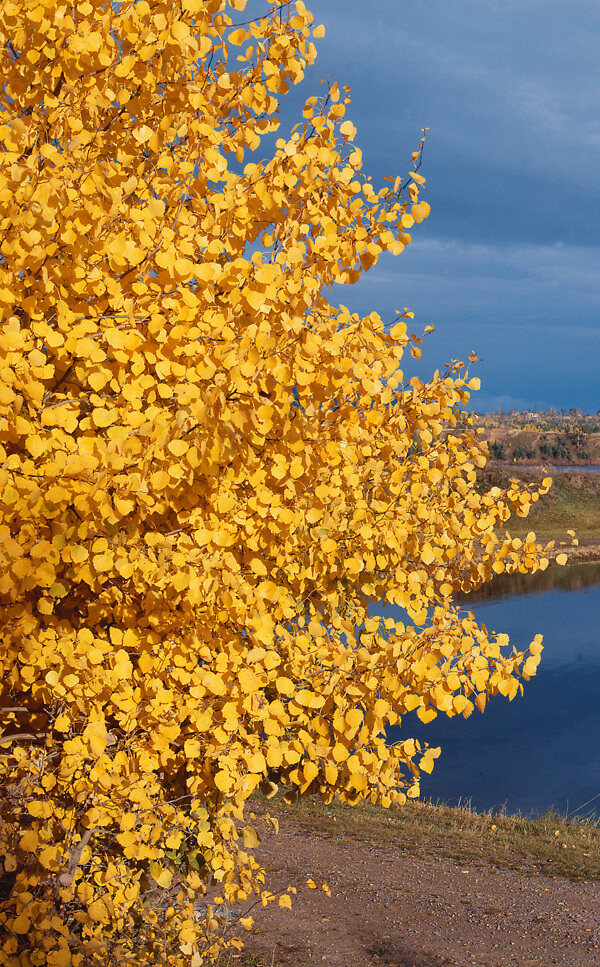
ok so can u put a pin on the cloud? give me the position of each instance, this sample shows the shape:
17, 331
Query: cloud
507, 264
529, 311
508, 91
501, 280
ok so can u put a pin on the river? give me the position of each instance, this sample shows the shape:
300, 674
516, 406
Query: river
541, 750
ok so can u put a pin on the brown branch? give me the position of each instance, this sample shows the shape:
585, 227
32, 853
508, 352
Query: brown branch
66, 878
122, 110
59, 85
21, 736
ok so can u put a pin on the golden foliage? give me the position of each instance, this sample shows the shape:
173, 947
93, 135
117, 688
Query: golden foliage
207, 471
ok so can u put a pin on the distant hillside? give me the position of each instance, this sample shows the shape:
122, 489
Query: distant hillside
542, 438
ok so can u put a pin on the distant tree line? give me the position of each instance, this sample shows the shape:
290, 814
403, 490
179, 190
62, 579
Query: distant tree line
563, 449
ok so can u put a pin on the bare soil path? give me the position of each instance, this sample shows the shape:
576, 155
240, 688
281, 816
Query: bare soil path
404, 910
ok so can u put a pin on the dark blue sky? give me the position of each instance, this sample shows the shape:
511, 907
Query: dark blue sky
508, 262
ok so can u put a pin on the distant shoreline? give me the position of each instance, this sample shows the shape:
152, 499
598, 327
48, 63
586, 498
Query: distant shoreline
586, 552
588, 467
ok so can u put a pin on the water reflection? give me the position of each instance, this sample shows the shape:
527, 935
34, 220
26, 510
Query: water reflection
543, 749
572, 577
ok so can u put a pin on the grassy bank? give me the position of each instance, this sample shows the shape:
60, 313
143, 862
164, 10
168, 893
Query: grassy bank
573, 503
549, 844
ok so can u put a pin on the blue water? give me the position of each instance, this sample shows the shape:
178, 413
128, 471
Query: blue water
541, 750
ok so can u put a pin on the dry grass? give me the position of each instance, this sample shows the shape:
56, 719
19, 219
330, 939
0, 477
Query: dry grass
549, 844
572, 503
569, 504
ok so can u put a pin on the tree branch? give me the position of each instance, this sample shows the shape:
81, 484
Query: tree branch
66, 878
21, 736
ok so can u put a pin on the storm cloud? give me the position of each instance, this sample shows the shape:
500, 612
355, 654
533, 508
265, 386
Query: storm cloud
508, 262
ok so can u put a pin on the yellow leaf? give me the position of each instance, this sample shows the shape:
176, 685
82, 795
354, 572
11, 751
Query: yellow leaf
78, 553
223, 781
354, 718
178, 447
48, 856
310, 770
426, 763
339, 752
530, 666
60, 958
161, 875
248, 680
427, 554
237, 37
296, 468
103, 562
103, 417
143, 133
96, 736
348, 130
354, 565
98, 911
251, 838
29, 841
159, 480
331, 773
285, 686
255, 299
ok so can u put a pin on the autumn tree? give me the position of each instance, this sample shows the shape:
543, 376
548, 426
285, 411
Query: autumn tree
208, 470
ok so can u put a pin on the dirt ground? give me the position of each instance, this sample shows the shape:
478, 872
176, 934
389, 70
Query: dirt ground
392, 908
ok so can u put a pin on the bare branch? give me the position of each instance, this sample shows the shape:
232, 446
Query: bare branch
21, 737
66, 878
